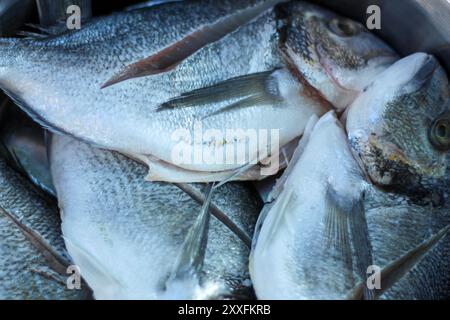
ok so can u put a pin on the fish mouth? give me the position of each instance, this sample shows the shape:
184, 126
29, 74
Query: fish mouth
391, 169
384, 56
310, 90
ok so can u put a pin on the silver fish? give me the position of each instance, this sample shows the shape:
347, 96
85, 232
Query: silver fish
328, 226
33, 259
134, 239
402, 139
303, 249
214, 64
403, 135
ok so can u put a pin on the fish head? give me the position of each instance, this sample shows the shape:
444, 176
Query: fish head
336, 55
399, 127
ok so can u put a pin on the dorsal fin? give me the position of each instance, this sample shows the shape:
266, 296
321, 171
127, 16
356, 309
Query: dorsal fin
171, 56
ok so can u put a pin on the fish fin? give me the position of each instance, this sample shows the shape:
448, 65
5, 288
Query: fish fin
397, 269
160, 170
256, 100
49, 274
174, 54
91, 269
216, 212
279, 185
46, 125
259, 223
31, 35
281, 206
189, 262
38, 27
235, 175
45, 32
241, 171
346, 227
243, 91
149, 4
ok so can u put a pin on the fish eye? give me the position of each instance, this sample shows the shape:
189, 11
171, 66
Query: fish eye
440, 134
343, 27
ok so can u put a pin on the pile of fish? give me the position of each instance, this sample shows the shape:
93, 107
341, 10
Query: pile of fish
357, 208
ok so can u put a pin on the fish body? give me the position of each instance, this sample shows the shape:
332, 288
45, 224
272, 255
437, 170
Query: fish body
332, 225
33, 258
125, 233
58, 81
291, 258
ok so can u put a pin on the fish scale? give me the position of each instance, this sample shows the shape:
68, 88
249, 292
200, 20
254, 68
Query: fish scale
26, 272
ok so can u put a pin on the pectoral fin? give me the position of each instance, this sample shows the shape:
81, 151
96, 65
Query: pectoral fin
301, 145
347, 231
236, 93
174, 54
190, 259
216, 212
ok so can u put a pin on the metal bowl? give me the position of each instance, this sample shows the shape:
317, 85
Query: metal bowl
13, 13
407, 25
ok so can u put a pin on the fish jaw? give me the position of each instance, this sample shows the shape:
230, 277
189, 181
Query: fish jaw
290, 259
388, 125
